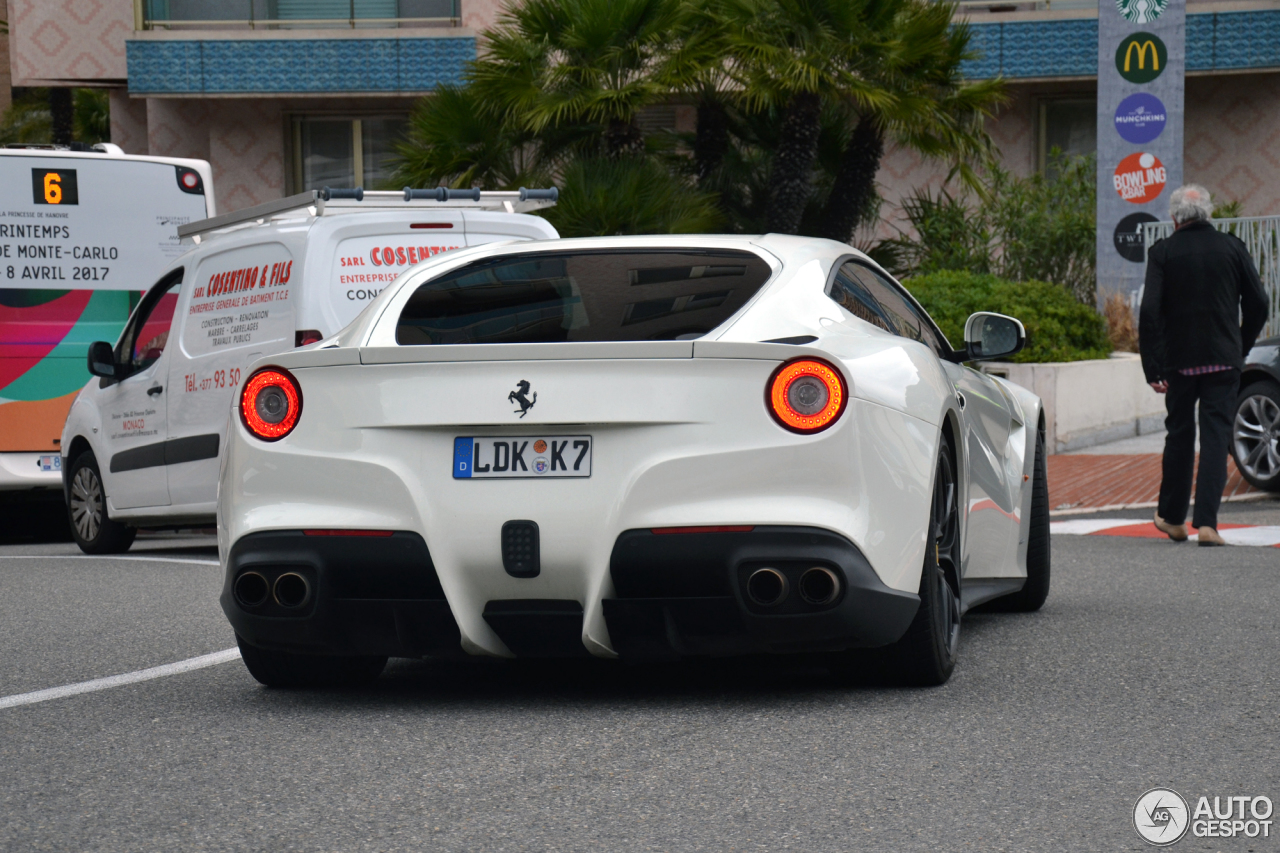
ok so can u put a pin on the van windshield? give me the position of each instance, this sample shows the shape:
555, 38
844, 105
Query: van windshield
598, 295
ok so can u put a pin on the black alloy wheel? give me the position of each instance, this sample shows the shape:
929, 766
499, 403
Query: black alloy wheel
1255, 435
926, 654
93, 531
288, 669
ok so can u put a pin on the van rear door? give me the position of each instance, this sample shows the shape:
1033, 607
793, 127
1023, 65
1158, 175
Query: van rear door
369, 251
240, 306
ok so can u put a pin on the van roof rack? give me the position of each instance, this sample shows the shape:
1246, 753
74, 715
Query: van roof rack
330, 201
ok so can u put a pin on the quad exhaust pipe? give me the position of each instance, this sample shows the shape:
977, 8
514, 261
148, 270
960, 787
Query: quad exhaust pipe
818, 586
292, 590
252, 589
768, 587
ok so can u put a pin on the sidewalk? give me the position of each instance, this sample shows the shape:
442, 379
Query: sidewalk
1121, 475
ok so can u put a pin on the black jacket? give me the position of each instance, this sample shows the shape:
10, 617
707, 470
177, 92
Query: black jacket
1202, 304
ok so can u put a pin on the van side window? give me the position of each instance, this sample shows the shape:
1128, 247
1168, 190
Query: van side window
147, 335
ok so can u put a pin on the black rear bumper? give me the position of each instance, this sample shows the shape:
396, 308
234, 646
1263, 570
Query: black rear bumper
685, 594
369, 595
676, 595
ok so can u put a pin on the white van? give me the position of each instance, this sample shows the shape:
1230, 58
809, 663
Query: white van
140, 445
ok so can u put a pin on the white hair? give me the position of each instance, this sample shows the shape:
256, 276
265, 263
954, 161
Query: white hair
1190, 203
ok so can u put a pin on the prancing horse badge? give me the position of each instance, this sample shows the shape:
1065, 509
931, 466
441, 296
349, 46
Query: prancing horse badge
520, 397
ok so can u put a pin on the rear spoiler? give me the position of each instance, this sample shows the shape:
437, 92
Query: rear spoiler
584, 350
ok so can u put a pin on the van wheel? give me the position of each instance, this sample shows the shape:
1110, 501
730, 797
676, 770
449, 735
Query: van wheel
288, 669
93, 531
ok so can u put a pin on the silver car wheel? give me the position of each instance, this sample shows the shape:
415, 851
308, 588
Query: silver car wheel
1257, 436
86, 503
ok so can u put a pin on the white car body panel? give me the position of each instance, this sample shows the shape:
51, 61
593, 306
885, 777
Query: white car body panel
680, 438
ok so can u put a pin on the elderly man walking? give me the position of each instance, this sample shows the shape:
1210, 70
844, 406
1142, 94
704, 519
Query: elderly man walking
1202, 308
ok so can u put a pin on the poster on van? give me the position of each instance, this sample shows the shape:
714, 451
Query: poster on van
363, 266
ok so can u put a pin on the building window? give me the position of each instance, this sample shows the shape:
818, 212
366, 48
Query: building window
1068, 124
333, 151
272, 14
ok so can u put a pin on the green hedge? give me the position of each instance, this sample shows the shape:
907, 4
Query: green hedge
1059, 328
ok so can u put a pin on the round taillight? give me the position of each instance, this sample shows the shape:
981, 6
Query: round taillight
270, 403
806, 395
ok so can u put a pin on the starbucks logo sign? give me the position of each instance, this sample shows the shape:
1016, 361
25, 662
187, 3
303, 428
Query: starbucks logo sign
1141, 11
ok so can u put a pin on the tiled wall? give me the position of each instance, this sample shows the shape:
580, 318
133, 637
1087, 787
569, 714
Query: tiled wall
1233, 134
246, 149
244, 140
902, 170
68, 39
1232, 145
128, 122
6, 79
319, 65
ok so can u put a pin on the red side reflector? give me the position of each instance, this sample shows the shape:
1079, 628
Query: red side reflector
347, 532
431, 225
724, 528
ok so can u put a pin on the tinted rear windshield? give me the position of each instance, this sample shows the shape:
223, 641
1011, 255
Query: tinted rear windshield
601, 295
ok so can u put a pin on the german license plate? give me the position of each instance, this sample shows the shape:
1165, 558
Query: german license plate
50, 463
507, 457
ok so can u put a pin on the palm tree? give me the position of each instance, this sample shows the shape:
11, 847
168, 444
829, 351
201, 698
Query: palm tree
790, 56
932, 108
459, 139
890, 68
577, 72
604, 196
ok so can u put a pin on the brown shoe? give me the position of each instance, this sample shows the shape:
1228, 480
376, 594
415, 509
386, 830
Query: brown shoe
1176, 532
1209, 536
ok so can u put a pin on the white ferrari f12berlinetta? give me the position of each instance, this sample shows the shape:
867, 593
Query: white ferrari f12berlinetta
633, 447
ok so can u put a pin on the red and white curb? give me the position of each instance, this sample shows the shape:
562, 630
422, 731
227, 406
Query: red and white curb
1234, 534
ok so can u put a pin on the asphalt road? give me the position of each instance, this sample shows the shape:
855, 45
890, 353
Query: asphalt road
1152, 664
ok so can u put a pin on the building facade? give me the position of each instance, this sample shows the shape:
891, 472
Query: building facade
1048, 54
285, 95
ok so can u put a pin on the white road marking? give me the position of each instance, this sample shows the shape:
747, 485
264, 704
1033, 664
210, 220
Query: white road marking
93, 557
119, 680
1085, 526
1260, 536
1257, 536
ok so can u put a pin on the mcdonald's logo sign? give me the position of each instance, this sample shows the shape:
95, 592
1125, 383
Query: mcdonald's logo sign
1141, 57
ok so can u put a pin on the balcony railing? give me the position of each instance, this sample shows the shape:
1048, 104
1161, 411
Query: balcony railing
293, 14
997, 6
1261, 236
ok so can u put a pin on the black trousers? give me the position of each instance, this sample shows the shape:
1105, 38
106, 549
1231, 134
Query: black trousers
1217, 395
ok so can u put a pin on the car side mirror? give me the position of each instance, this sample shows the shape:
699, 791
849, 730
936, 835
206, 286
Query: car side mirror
102, 360
990, 336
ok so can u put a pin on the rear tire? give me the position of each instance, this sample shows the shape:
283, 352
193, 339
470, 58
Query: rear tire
1255, 435
925, 656
1034, 592
288, 669
91, 528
